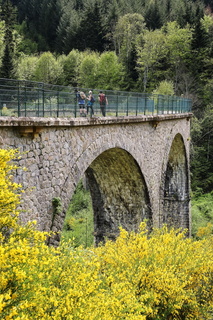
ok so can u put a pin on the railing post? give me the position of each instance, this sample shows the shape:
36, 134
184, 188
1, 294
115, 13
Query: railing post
173, 105
38, 106
190, 105
43, 97
19, 112
157, 107
145, 104
57, 104
117, 106
75, 110
25, 99
181, 105
136, 111
176, 105
163, 104
127, 106
50, 108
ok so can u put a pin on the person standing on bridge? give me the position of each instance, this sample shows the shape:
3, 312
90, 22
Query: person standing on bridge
81, 102
103, 102
90, 103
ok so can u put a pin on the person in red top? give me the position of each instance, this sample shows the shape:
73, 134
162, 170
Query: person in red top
103, 102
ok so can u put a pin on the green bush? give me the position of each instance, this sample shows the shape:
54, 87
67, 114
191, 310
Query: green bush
79, 224
202, 211
5, 112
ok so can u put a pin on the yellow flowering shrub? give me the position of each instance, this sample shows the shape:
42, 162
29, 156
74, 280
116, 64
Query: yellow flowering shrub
9, 191
138, 277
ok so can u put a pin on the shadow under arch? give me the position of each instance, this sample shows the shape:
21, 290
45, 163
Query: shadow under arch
119, 194
176, 199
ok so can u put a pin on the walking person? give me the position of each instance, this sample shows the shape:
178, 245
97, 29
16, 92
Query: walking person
90, 103
81, 103
103, 102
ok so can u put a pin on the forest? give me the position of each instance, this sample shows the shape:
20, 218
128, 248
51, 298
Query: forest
163, 46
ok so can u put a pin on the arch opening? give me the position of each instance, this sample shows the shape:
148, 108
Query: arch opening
176, 187
119, 194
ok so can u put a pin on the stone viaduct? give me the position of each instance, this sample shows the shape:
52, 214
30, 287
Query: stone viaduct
137, 168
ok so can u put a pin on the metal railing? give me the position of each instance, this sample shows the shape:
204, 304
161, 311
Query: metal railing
22, 98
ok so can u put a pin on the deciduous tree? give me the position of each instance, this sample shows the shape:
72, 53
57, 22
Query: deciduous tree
110, 71
88, 76
151, 50
127, 29
47, 69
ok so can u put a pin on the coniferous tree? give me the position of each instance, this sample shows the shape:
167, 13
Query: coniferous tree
8, 15
7, 66
198, 55
91, 33
202, 152
49, 16
111, 14
152, 16
199, 39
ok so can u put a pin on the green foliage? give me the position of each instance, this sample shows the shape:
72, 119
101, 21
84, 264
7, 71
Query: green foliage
48, 69
25, 68
67, 30
7, 64
152, 16
165, 88
92, 30
57, 205
110, 72
71, 67
2, 32
7, 67
26, 45
79, 225
202, 152
163, 54
126, 31
101, 71
151, 49
88, 70
202, 211
7, 112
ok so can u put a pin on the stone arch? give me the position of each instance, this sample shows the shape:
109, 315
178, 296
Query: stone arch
175, 186
93, 150
119, 194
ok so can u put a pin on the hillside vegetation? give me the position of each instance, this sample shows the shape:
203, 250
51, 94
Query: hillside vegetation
133, 278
